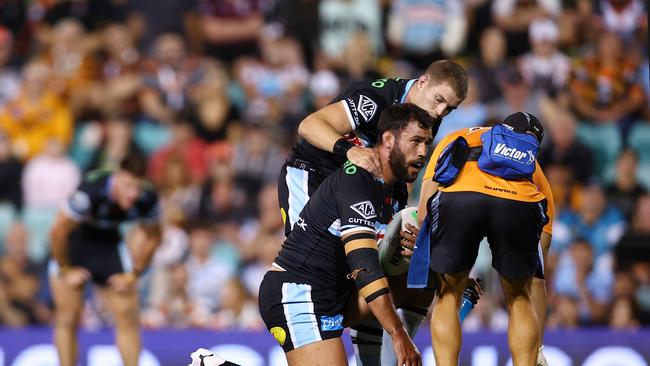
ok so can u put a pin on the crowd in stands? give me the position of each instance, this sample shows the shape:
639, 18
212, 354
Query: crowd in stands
211, 93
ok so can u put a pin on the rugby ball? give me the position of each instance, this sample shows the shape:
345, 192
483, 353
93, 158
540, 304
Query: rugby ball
390, 250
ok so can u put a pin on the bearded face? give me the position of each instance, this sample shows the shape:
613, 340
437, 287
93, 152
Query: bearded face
405, 165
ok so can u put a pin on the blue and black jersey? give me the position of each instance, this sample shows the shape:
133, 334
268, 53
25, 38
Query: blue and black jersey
350, 201
99, 216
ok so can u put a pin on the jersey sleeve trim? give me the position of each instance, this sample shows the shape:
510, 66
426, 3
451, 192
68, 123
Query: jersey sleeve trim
360, 244
70, 213
374, 286
357, 229
349, 114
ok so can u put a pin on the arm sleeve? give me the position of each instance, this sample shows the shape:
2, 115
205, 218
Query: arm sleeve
149, 209
363, 104
542, 184
79, 205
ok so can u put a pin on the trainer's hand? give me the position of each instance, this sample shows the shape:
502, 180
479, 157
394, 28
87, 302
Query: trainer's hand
408, 239
74, 276
365, 158
122, 282
407, 353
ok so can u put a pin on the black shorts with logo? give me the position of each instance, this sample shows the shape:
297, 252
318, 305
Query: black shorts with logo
298, 313
460, 221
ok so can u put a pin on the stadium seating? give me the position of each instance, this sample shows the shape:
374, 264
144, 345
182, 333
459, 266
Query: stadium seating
605, 143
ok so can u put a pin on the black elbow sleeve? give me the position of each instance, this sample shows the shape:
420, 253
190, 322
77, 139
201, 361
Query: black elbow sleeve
367, 274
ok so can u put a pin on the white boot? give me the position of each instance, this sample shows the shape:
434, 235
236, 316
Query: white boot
203, 357
541, 360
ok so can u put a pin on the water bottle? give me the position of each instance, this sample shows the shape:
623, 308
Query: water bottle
470, 298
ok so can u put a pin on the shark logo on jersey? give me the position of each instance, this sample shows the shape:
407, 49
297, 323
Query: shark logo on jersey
365, 209
301, 222
366, 107
79, 202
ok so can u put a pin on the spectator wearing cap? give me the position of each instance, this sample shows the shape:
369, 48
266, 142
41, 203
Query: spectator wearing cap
9, 78
545, 67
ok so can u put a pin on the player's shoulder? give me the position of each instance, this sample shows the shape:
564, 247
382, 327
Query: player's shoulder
471, 134
386, 89
95, 182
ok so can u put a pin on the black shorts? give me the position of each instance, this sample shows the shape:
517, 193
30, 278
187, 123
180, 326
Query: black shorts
298, 313
102, 255
460, 221
295, 186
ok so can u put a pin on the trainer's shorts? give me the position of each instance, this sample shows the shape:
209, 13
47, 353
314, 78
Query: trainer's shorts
298, 313
295, 186
102, 255
460, 220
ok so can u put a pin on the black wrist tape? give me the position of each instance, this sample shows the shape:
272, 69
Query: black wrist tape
341, 146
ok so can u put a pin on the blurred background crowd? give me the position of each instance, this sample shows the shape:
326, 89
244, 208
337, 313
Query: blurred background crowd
212, 91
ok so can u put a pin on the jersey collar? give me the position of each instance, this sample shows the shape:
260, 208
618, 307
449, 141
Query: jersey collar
406, 90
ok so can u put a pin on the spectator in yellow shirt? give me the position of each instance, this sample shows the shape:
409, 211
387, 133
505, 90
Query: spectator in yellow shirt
36, 115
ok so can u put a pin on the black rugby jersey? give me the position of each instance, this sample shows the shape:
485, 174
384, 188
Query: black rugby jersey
364, 101
98, 216
349, 201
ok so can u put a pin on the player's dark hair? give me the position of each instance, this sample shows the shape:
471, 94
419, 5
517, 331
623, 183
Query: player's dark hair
135, 164
446, 71
398, 116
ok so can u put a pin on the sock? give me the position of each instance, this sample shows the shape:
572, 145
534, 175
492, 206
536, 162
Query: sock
412, 319
366, 339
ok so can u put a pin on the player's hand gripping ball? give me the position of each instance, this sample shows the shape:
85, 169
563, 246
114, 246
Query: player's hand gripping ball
391, 251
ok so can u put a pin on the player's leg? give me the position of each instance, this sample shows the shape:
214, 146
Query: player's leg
538, 295
124, 307
119, 291
459, 225
445, 321
305, 320
514, 238
322, 353
523, 327
68, 304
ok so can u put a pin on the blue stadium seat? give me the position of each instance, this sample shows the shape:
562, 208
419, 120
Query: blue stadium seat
605, 143
150, 136
38, 222
639, 140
